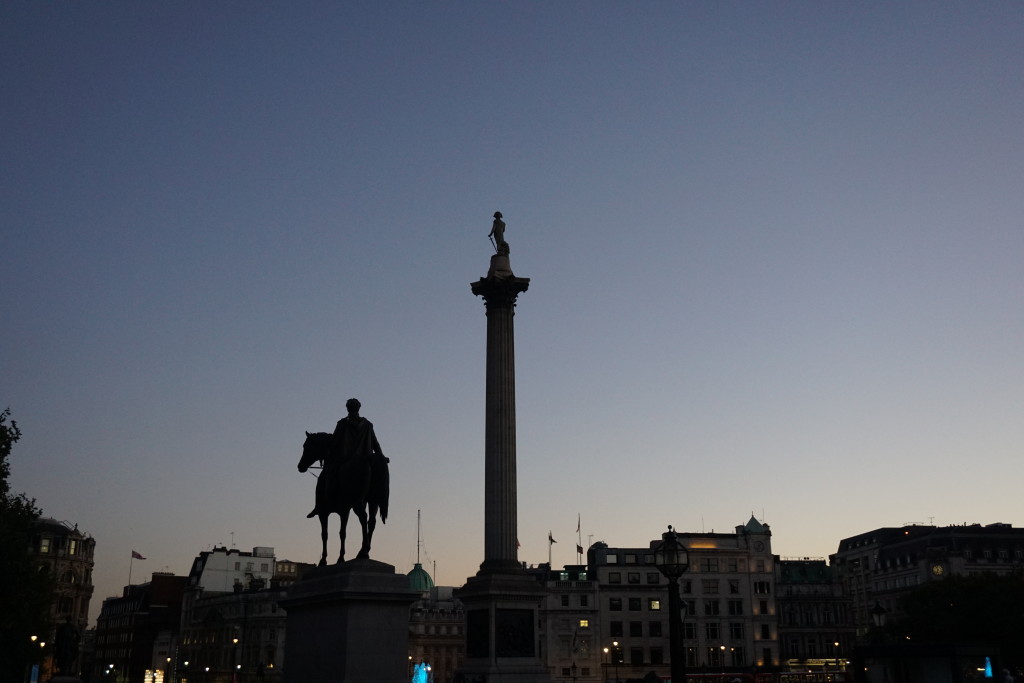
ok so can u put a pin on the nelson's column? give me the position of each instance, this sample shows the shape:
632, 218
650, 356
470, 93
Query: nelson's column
501, 601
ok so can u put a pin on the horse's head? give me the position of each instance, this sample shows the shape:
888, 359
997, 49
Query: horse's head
314, 448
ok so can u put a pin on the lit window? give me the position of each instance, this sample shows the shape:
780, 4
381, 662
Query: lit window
584, 623
653, 604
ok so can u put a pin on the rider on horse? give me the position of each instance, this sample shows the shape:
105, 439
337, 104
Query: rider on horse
354, 440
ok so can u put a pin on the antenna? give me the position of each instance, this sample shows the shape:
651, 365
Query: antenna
418, 542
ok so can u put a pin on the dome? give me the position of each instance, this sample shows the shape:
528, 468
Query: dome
419, 579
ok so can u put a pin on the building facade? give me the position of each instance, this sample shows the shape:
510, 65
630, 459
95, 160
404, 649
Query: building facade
231, 627
816, 631
878, 568
730, 620
134, 632
66, 553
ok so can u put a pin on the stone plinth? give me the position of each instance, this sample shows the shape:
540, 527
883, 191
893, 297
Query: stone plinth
348, 623
501, 628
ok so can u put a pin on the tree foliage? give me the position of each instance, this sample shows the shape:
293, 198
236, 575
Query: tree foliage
983, 609
25, 592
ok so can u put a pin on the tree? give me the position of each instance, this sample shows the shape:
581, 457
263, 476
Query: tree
983, 609
25, 592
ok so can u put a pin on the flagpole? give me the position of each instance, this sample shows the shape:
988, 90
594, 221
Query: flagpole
579, 541
130, 563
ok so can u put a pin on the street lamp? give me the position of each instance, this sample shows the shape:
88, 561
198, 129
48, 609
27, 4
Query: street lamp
672, 560
615, 656
605, 665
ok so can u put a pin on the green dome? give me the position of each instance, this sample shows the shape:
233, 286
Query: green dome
419, 579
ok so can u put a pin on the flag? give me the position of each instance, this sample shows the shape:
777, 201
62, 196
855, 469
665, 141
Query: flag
137, 556
551, 539
577, 522
517, 544
579, 549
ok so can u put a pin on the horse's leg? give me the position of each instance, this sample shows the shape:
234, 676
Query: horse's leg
323, 537
371, 524
341, 534
364, 550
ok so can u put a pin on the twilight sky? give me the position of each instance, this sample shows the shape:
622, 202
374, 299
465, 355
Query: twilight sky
775, 248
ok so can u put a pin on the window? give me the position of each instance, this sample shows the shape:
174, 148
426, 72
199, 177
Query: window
563, 576
264, 567
709, 586
73, 547
584, 600
709, 564
582, 576
565, 600
630, 558
614, 577
736, 631
734, 586
636, 629
686, 587
656, 656
689, 630
763, 607
611, 559
712, 630
732, 564
654, 629
689, 608
634, 604
44, 545
615, 628
738, 658
615, 604
735, 608
238, 565
653, 604
584, 623
760, 566
653, 577
762, 587
633, 577
585, 671
636, 655
765, 632
712, 608
566, 672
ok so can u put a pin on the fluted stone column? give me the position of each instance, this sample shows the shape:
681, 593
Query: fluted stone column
502, 601
499, 290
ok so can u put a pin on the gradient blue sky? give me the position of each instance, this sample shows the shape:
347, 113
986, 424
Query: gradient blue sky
775, 248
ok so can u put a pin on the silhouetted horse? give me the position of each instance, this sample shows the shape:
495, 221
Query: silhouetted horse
359, 485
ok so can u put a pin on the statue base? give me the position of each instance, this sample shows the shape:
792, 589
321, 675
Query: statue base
348, 623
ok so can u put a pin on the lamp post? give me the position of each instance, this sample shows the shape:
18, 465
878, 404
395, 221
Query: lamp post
615, 656
605, 663
234, 659
672, 560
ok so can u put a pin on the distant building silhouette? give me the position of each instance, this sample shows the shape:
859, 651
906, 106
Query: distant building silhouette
67, 555
436, 628
135, 632
816, 630
881, 566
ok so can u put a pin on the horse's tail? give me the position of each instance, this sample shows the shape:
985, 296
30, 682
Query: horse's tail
380, 486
